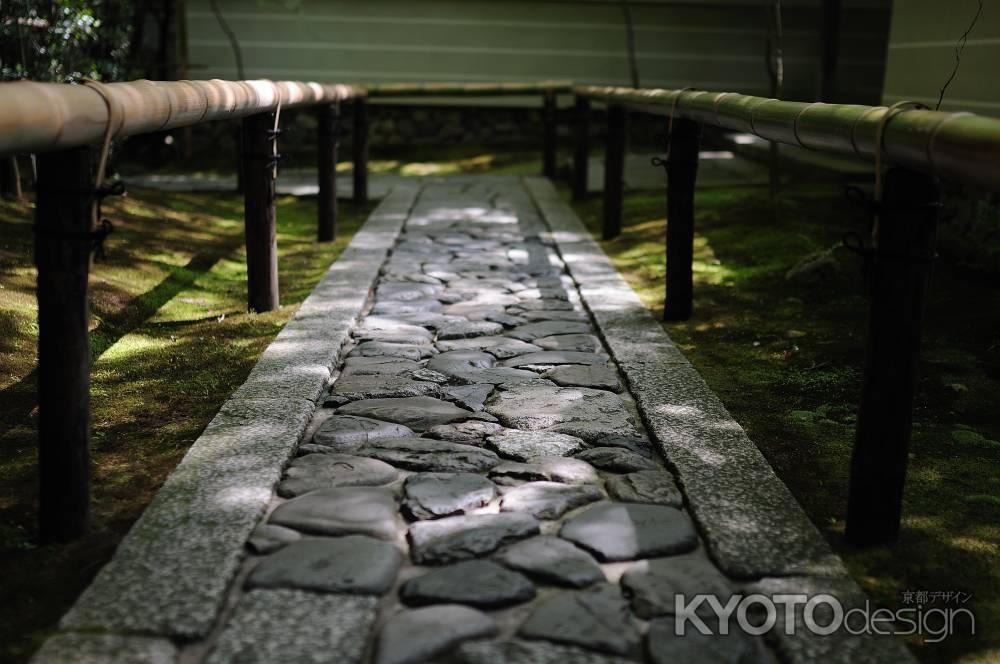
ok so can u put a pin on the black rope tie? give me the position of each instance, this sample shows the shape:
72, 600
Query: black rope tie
870, 255
659, 162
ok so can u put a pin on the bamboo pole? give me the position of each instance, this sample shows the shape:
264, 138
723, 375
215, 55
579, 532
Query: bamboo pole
466, 89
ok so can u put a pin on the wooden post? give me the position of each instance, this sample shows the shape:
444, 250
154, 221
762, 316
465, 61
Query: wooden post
549, 134
10, 178
62, 256
581, 151
258, 211
329, 120
360, 141
682, 171
614, 171
900, 272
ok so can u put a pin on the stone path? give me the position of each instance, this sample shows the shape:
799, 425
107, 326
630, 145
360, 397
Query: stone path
472, 483
477, 486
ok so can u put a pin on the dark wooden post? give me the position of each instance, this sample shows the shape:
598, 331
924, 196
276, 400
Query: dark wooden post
62, 255
10, 178
682, 171
900, 273
258, 212
360, 141
329, 120
581, 148
614, 171
549, 134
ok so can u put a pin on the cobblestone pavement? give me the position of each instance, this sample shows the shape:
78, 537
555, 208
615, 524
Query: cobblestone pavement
477, 487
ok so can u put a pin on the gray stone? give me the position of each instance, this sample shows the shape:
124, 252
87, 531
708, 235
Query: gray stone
342, 511
596, 618
598, 377
412, 352
354, 564
517, 651
374, 387
543, 316
524, 306
523, 445
584, 343
399, 334
429, 319
406, 291
268, 538
105, 649
479, 583
429, 375
591, 413
295, 626
548, 357
418, 413
378, 366
396, 308
552, 469
378, 325
472, 432
418, 636
626, 531
499, 347
456, 361
548, 328
326, 471
461, 537
432, 455
645, 486
636, 444
653, 585
345, 433
666, 647
552, 560
616, 459
472, 397
506, 320
468, 329
433, 495
548, 500
550, 293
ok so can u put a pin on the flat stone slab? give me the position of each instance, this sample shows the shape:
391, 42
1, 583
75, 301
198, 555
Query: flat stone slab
374, 387
497, 346
382, 349
645, 486
66, 647
268, 538
666, 647
544, 316
547, 357
523, 445
547, 328
551, 469
417, 636
326, 471
548, 500
418, 413
584, 343
344, 433
592, 413
653, 587
596, 618
529, 652
343, 511
472, 432
396, 307
378, 366
354, 564
468, 329
406, 291
432, 455
373, 325
627, 531
479, 583
552, 560
461, 537
472, 397
434, 495
294, 626
616, 459
598, 377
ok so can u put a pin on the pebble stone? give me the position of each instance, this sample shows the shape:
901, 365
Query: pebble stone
666, 647
554, 357
460, 537
479, 583
499, 347
379, 386
597, 618
471, 432
584, 343
653, 588
521, 651
547, 328
472, 397
578, 375
468, 329
434, 495
341, 511
378, 366
345, 433
354, 564
548, 500
416, 636
548, 468
326, 471
432, 455
627, 531
418, 413
268, 538
523, 445
383, 349
645, 486
616, 459
594, 413
552, 560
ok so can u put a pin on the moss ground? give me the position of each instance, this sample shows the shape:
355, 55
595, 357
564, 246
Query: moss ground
786, 360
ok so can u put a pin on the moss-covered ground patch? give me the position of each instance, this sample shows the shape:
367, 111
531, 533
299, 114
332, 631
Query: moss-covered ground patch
786, 360
171, 340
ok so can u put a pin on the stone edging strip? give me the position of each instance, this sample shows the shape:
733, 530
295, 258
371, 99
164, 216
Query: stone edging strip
753, 527
170, 574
